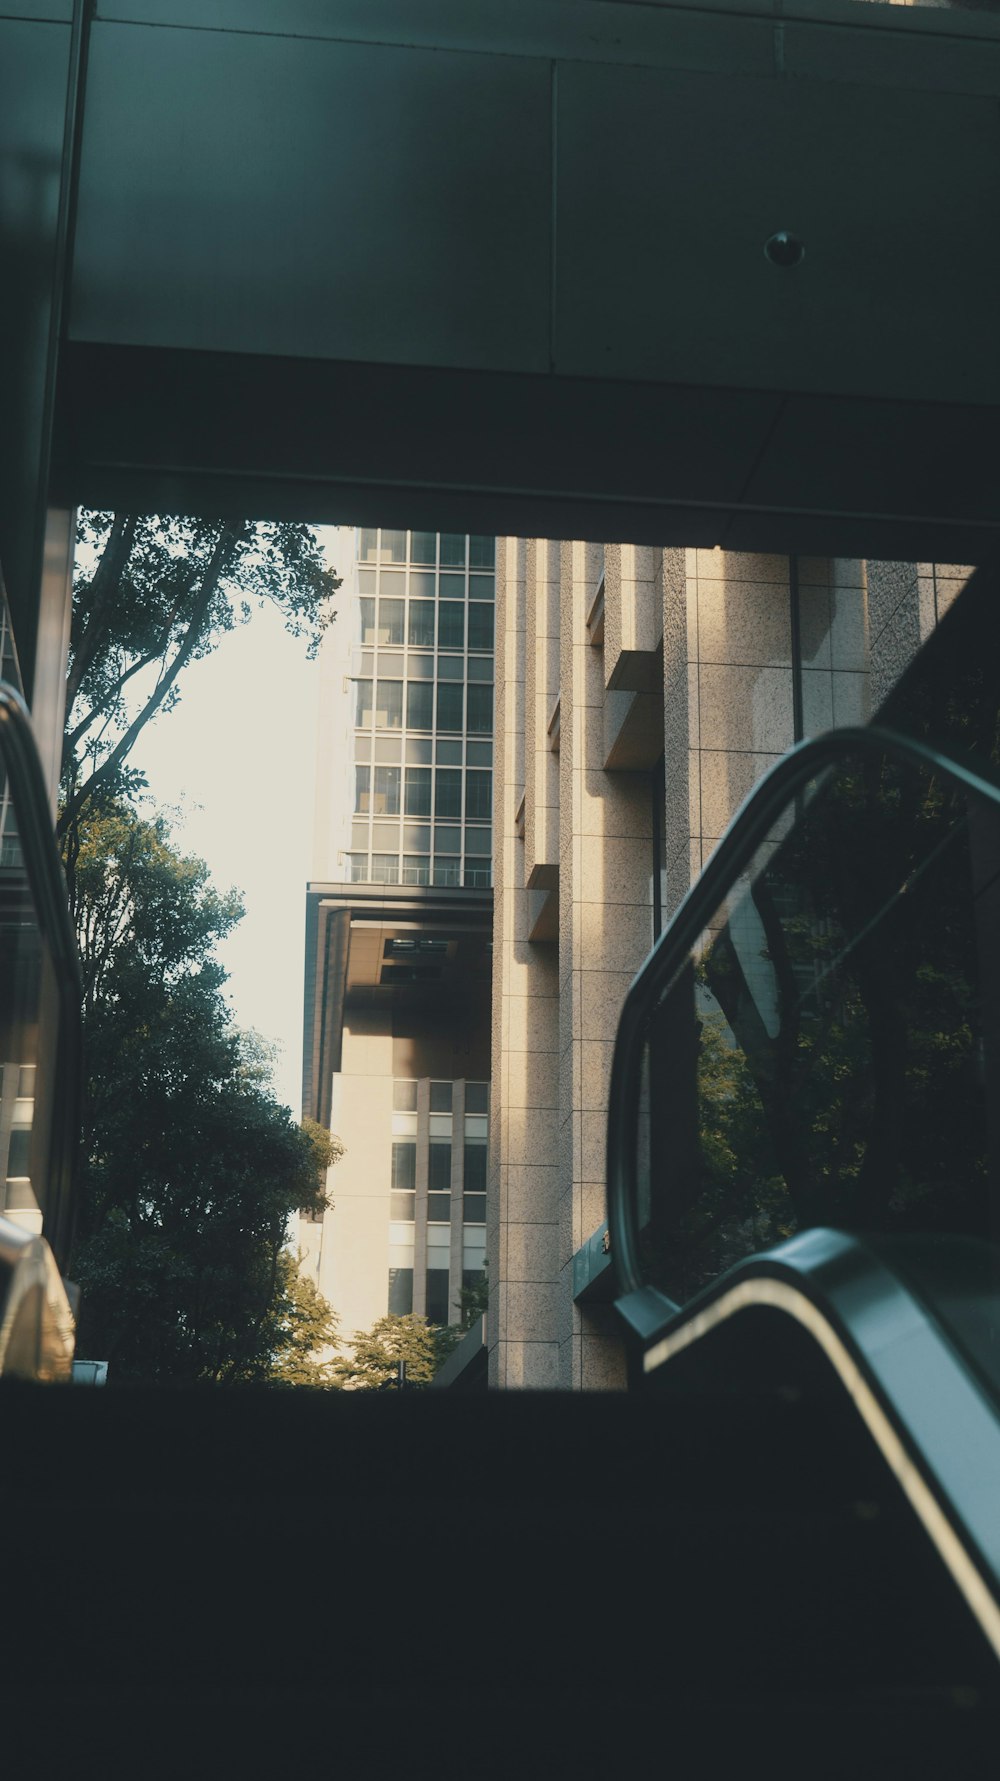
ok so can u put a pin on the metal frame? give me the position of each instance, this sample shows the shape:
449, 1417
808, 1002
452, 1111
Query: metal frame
750, 826
19, 755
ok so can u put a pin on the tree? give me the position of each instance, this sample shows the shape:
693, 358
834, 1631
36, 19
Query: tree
306, 1329
377, 1352
190, 1169
153, 594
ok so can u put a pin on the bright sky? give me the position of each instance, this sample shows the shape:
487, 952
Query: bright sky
238, 756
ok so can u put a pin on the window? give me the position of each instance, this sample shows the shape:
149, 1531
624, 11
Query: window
404, 1160
416, 869
368, 544
393, 547
453, 550
386, 801
389, 705
366, 621
404, 1096
478, 877
401, 1206
400, 1291
448, 792
446, 872
480, 721
418, 791
475, 1169
362, 787
477, 1097
449, 706
384, 868
419, 705
478, 841
423, 547
421, 624
481, 587
363, 707
482, 552
451, 624
441, 1097
358, 864
479, 797
480, 627
437, 1295
390, 622
438, 1208
474, 1209
439, 1168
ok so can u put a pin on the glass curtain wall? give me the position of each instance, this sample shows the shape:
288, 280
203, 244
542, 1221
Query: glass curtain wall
423, 673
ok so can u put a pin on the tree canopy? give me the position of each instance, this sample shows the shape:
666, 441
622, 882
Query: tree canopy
153, 593
376, 1353
190, 1169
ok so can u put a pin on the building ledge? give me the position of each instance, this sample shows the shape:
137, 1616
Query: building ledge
593, 1272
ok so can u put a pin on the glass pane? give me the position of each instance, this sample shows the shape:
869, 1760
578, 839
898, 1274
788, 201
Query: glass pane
481, 627
821, 1058
447, 840
366, 621
400, 1291
451, 625
368, 544
416, 869
389, 705
439, 1207
439, 1168
441, 1097
482, 552
453, 550
362, 787
481, 587
423, 547
421, 624
404, 1096
418, 791
402, 1205
419, 705
390, 621
393, 547
479, 841
448, 793
479, 796
437, 1295
449, 706
480, 710
404, 1163
446, 872
363, 705
475, 1168
474, 1209
366, 581
423, 585
384, 869
477, 1097
386, 800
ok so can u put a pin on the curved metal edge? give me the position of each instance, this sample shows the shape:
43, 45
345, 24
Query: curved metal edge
37, 1329
47, 884
749, 827
935, 1428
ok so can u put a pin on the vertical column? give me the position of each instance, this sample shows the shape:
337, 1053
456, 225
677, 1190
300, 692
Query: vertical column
523, 1196
905, 602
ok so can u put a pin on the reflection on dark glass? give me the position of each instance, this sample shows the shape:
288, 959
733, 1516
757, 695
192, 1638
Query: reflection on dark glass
480, 627
441, 1097
482, 551
475, 1168
822, 1058
449, 706
452, 550
448, 793
419, 705
404, 1166
421, 623
439, 1208
423, 546
451, 624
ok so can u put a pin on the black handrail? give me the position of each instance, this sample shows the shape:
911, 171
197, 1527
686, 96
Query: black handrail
43, 869
749, 827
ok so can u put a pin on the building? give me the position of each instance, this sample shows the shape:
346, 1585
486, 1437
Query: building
399, 924
641, 692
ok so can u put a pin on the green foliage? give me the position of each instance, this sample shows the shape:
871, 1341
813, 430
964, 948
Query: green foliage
154, 593
305, 1330
190, 1169
377, 1353
473, 1301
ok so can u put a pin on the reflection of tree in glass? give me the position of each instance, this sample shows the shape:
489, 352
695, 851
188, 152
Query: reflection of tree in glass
861, 1104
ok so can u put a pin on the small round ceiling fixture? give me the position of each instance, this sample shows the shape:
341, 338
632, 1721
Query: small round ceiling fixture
784, 249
